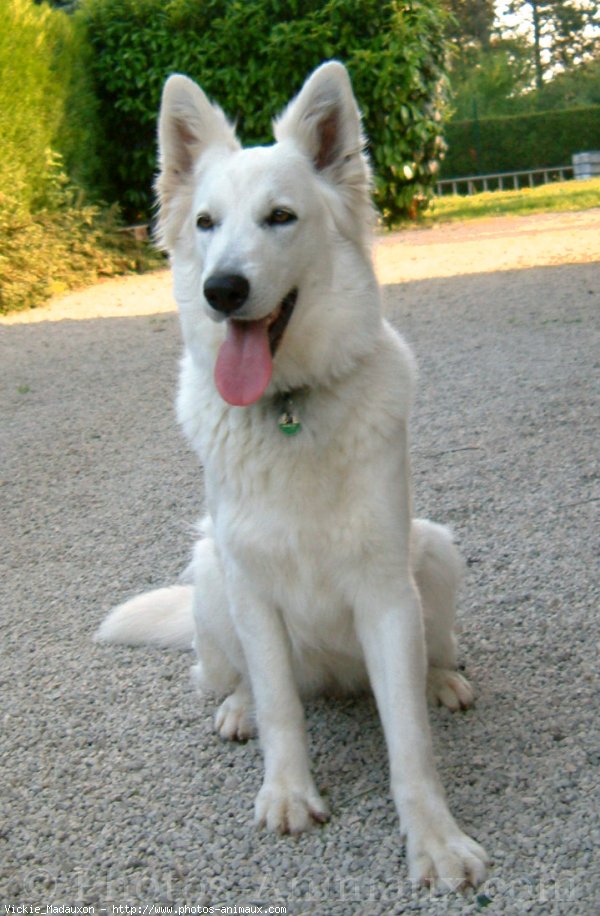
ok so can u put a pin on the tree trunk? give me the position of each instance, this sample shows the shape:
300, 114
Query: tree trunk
537, 40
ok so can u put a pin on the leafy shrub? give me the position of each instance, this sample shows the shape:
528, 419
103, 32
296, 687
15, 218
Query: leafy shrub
63, 245
46, 100
519, 142
252, 56
50, 238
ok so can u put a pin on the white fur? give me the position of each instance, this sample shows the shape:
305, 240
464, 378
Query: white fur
167, 620
311, 574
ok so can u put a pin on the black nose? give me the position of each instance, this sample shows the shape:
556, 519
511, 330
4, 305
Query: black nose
226, 292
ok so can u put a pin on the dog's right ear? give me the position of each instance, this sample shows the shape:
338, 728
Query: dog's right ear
188, 125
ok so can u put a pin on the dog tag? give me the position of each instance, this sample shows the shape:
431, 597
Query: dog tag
289, 424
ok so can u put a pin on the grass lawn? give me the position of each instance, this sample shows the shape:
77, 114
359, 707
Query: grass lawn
558, 196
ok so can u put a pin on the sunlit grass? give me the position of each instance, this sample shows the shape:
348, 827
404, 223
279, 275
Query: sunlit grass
556, 197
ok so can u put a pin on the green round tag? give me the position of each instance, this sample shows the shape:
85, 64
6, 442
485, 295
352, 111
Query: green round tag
290, 427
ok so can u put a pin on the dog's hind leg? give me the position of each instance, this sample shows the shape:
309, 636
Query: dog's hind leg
438, 569
220, 666
235, 718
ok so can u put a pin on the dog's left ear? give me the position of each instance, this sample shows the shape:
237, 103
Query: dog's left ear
324, 121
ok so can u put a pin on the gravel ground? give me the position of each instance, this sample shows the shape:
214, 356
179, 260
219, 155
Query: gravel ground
114, 789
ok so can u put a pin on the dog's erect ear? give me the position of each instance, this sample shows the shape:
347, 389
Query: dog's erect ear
188, 126
324, 121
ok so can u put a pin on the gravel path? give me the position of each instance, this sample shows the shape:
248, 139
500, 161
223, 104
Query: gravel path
114, 789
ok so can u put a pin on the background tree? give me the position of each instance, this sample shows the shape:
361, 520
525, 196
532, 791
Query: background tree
487, 70
535, 54
564, 32
574, 87
68, 6
471, 22
490, 82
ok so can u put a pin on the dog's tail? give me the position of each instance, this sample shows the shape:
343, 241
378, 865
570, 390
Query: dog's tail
160, 618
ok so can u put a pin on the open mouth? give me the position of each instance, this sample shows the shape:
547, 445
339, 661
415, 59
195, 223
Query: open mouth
278, 320
244, 364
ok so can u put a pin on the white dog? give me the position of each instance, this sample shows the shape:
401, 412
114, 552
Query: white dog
295, 393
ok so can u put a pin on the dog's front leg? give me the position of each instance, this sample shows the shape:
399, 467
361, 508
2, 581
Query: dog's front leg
288, 800
389, 626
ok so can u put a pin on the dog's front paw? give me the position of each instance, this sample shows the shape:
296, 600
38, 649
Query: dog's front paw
449, 688
289, 809
446, 860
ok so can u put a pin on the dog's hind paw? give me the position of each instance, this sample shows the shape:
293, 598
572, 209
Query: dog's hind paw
447, 863
287, 809
449, 688
234, 720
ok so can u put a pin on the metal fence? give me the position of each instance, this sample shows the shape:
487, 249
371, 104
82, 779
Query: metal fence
499, 181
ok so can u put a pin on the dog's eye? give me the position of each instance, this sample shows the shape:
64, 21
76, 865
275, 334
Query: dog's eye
204, 222
280, 216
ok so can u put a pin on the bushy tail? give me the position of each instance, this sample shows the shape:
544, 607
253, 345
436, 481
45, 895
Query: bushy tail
159, 618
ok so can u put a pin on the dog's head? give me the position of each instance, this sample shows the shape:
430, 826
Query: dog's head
250, 231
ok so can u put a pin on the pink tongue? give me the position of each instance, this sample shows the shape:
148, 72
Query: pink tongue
244, 366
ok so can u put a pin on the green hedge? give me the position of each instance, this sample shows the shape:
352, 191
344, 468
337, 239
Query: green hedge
252, 56
519, 142
51, 237
62, 245
47, 104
